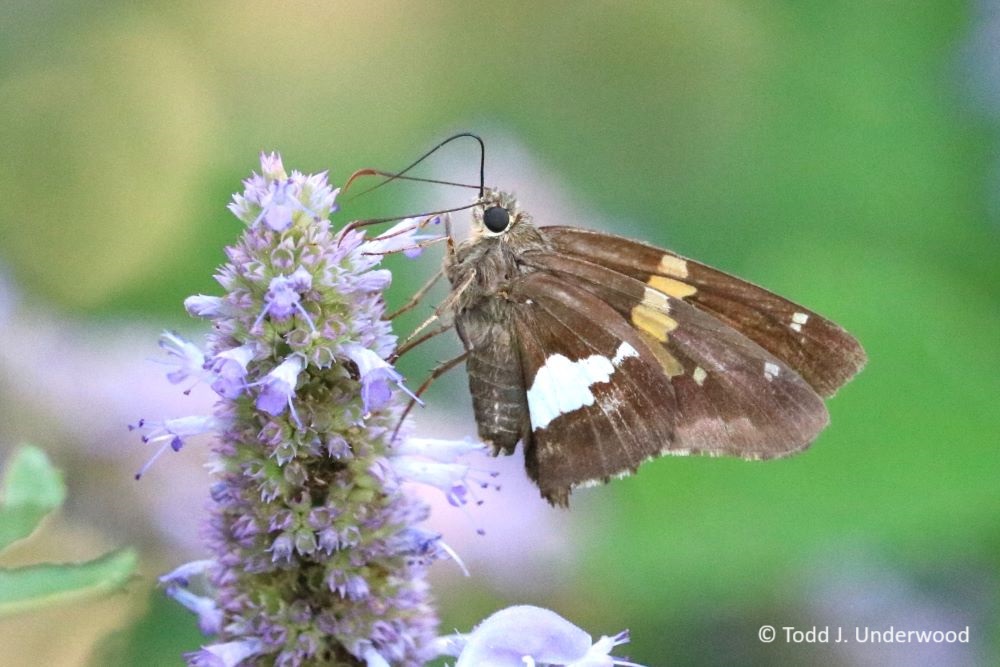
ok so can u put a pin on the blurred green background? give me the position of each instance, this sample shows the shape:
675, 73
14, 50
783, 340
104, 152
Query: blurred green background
844, 154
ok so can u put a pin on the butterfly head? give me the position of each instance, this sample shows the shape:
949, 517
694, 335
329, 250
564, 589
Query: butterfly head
496, 213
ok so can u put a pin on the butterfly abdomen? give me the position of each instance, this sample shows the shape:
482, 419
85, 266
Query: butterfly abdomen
495, 378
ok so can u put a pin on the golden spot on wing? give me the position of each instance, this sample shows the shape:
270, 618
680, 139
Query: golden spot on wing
673, 266
669, 362
674, 288
653, 322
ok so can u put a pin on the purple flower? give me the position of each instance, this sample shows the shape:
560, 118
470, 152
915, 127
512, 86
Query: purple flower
274, 197
209, 614
455, 480
284, 298
526, 635
279, 201
229, 654
200, 305
444, 451
278, 386
182, 575
300, 280
403, 237
279, 204
376, 375
370, 281
271, 166
230, 369
426, 547
172, 433
185, 356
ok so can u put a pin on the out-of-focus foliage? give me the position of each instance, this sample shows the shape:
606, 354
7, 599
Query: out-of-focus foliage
843, 154
31, 488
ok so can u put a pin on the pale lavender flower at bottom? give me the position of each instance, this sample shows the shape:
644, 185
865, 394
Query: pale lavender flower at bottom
525, 636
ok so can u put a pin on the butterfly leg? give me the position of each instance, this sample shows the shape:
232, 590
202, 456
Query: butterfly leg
412, 340
449, 249
438, 371
417, 296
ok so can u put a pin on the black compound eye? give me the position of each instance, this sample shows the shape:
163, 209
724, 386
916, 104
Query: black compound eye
496, 219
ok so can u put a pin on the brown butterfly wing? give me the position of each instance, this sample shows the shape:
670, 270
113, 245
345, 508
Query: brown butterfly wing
819, 350
599, 404
730, 395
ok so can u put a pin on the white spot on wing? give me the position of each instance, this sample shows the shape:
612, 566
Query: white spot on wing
699, 375
795, 326
800, 318
624, 352
561, 386
771, 370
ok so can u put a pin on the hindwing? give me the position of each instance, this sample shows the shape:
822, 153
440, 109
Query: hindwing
599, 405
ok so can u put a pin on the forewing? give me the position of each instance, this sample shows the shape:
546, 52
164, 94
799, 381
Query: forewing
819, 350
598, 401
731, 395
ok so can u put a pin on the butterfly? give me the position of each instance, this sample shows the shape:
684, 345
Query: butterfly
598, 353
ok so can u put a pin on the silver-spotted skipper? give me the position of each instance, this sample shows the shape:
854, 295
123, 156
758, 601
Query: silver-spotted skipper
598, 352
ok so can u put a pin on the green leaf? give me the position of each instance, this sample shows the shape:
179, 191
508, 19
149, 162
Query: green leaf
31, 488
26, 588
156, 639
